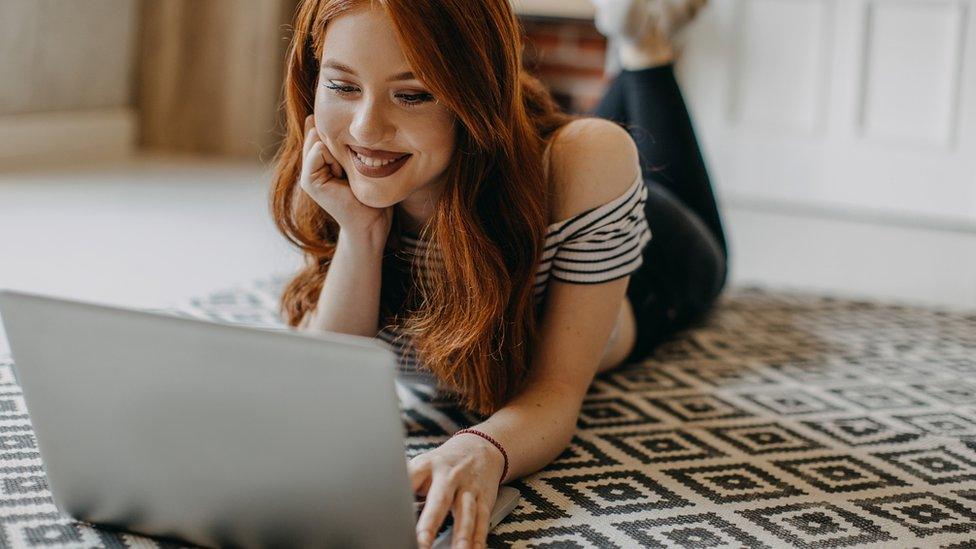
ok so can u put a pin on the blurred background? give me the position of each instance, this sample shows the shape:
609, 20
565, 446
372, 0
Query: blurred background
135, 140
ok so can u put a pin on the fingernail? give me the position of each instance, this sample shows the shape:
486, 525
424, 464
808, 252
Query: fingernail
462, 543
426, 538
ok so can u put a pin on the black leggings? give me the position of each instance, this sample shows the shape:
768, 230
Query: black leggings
685, 264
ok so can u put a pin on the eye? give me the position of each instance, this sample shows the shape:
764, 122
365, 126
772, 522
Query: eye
339, 89
413, 99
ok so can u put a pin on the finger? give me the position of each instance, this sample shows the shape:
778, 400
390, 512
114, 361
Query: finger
312, 163
331, 192
419, 471
439, 499
465, 514
311, 139
334, 166
311, 136
481, 525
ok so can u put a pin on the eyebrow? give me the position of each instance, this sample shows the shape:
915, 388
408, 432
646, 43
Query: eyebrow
333, 64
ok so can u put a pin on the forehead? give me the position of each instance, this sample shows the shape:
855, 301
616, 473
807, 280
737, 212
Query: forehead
364, 39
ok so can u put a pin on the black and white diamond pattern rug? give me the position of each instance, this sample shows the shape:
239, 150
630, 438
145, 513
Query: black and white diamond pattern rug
781, 420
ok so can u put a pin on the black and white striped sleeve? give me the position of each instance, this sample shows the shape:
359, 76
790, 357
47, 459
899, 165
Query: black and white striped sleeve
606, 242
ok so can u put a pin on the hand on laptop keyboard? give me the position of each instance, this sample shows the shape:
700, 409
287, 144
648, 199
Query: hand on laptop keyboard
506, 501
462, 474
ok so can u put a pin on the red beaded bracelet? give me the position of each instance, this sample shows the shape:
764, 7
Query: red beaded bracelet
491, 440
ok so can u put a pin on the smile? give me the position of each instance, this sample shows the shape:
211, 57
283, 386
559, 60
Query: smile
374, 162
376, 167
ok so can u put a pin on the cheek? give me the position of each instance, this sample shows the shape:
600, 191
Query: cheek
447, 145
447, 153
330, 122
438, 138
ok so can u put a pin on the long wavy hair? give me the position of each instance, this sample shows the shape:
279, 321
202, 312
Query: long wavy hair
472, 319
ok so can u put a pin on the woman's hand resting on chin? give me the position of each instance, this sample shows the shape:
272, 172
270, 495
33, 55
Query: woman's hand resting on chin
324, 180
460, 476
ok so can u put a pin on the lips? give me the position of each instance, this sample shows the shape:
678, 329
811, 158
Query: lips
379, 171
377, 153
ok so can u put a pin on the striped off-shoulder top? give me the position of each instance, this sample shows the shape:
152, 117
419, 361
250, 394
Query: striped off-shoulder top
598, 245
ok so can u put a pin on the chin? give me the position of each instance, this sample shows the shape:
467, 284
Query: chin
371, 194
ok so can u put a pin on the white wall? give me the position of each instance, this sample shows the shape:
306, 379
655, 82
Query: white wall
851, 105
66, 79
841, 138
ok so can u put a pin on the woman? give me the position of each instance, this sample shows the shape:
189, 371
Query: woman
439, 195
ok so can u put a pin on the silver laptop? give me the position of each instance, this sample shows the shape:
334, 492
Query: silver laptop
213, 433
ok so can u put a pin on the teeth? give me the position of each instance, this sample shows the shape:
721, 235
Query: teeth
374, 162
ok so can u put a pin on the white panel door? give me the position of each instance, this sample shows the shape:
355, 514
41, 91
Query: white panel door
858, 105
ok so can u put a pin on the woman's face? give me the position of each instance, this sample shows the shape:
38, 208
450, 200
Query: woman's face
367, 101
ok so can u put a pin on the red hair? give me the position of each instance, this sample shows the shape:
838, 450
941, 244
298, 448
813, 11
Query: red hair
473, 320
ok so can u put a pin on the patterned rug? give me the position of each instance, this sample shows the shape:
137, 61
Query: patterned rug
783, 419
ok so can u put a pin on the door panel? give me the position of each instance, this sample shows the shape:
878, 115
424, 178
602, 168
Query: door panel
856, 105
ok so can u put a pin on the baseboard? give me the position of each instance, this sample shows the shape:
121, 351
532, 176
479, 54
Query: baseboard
851, 257
575, 9
56, 137
848, 213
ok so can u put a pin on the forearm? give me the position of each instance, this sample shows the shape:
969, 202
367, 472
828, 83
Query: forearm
534, 427
349, 301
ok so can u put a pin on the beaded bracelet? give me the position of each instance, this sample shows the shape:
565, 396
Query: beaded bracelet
491, 440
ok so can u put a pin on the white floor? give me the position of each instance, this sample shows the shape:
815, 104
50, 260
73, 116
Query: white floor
147, 232
155, 230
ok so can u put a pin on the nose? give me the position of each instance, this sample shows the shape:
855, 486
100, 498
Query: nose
370, 124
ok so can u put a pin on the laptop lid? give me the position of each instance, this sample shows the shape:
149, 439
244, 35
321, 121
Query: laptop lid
212, 433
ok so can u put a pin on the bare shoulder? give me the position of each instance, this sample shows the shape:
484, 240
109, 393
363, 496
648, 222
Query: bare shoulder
593, 161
